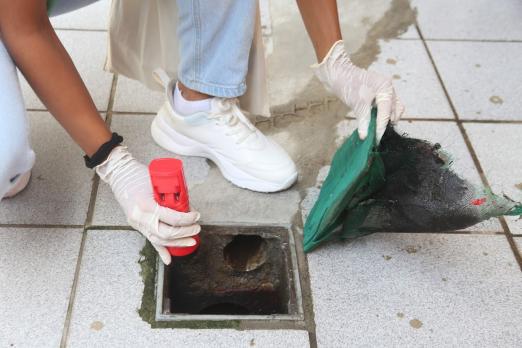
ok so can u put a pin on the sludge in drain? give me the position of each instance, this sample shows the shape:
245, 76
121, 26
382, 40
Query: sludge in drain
243, 271
245, 252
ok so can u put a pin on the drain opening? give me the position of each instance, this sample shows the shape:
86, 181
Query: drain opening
235, 271
245, 253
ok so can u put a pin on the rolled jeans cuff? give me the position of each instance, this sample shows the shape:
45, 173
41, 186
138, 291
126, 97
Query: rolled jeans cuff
214, 90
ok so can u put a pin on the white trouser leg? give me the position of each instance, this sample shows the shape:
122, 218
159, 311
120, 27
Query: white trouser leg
16, 155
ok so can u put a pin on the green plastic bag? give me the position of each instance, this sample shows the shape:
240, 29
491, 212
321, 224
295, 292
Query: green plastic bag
401, 185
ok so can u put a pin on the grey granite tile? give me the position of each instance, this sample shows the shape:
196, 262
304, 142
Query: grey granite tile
36, 274
105, 310
132, 96
423, 290
92, 17
477, 19
414, 78
497, 147
214, 197
89, 59
482, 78
60, 187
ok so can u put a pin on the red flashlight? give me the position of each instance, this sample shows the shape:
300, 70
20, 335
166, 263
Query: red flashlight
170, 190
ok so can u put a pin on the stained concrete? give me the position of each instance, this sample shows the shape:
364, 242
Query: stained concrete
290, 51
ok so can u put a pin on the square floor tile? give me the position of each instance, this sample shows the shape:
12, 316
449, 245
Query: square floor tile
105, 309
133, 96
213, 196
482, 78
476, 19
497, 147
414, 78
89, 59
60, 186
92, 17
36, 274
423, 290
448, 135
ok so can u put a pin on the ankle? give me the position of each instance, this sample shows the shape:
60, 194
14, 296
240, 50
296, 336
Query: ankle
185, 107
190, 94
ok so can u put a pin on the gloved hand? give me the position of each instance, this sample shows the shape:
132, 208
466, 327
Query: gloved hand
131, 185
359, 89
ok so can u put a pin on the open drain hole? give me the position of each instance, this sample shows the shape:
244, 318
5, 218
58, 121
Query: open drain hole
237, 271
246, 252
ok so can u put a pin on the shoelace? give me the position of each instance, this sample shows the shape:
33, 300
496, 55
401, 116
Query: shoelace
229, 114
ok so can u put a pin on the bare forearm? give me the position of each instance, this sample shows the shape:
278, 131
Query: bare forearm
322, 24
40, 56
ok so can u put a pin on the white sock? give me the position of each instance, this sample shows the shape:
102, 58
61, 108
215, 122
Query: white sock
188, 107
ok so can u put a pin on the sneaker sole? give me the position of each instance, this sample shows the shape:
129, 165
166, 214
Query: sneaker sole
172, 141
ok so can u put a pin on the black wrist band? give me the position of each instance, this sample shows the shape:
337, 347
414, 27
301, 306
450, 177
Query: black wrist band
103, 152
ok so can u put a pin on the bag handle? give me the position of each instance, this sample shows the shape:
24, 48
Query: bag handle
161, 77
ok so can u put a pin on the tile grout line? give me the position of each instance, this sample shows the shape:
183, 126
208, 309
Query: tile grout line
46, 110
55, 226
406, 118
88, 220
124, 228
471, 150
456, 40
472, 40
132, 113
81, 30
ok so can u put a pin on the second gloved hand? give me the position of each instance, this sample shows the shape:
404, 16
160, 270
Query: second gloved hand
131, 185
359, 89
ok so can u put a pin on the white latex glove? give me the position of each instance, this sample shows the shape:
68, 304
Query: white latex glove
359, 89
131, 185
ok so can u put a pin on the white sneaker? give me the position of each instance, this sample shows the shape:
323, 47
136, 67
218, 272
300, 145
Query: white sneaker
20, 183
224, 135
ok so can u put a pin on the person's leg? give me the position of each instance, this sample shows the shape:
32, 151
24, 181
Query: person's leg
321, 20
215, 40
16, 156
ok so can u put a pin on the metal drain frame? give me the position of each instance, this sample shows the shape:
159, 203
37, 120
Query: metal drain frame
177, 317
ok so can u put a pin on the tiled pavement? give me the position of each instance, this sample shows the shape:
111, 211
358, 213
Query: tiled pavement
68, 263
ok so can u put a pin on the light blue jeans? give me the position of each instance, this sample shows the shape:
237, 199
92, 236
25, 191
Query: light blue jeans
215, 37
